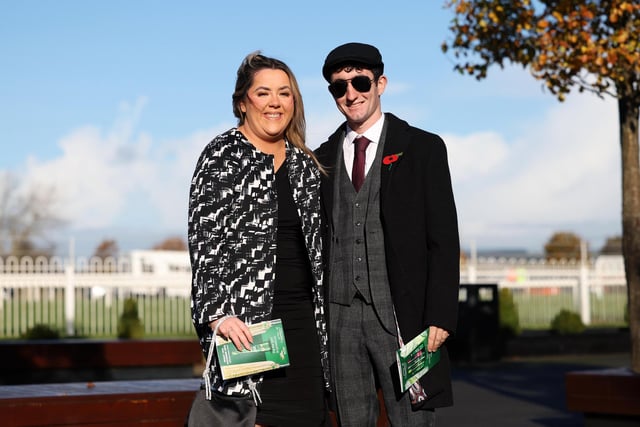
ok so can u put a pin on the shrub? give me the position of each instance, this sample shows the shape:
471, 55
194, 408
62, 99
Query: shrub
129, 324
41, 332
509, 320
567, 322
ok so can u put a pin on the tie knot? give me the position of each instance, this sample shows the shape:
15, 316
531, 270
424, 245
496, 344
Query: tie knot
362, 142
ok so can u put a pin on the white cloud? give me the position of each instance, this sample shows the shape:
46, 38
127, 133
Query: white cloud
96, 171
490, 145
169, 193
561, 172
103, 178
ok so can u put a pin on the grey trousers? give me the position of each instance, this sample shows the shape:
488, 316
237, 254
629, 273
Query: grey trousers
362, 351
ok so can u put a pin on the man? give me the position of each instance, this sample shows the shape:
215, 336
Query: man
392, 237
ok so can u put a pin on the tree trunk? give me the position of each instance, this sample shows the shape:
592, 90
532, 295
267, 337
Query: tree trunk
628, 107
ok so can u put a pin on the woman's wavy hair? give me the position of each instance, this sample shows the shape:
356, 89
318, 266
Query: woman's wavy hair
295, 132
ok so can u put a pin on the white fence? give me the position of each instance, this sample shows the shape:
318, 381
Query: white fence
595, 288
85, 297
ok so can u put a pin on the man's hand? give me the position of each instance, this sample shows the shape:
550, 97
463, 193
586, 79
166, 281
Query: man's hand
437, 336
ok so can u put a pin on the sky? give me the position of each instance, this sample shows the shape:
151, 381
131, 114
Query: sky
107, 106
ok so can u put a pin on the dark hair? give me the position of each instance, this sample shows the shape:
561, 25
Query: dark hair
348, 66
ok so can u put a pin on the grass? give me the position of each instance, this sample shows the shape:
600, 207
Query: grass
537, 311
170, 316
162, 316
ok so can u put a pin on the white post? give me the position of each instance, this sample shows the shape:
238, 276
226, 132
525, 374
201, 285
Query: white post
585, 305
472, 265
70, 290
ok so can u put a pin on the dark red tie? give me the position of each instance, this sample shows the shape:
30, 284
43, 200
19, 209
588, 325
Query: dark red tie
357, 173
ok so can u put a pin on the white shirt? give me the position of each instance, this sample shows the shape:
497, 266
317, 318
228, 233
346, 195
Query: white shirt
373, 135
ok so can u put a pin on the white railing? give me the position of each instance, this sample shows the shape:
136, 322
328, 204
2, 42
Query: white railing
596, 288
85, 296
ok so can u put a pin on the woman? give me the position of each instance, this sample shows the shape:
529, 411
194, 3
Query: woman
254, 241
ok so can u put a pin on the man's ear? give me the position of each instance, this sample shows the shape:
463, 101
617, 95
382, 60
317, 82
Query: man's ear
382, 84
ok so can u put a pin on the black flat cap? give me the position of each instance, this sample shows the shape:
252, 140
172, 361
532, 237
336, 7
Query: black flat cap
358, 53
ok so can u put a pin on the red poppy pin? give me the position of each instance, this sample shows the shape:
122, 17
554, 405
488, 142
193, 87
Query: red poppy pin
391, 159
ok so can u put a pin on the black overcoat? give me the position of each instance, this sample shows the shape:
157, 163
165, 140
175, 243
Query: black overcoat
420, 225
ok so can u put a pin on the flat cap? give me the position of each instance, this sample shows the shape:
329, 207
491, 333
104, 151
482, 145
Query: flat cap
358, 53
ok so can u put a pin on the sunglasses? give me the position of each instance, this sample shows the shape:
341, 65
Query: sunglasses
360, 83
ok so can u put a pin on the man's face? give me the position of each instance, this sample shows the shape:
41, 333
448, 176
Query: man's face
361, 107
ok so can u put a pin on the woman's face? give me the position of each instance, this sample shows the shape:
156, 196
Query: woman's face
268, 107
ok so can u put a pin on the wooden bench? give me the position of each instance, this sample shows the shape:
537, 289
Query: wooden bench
162, 403
606, 397
56, 361
98, 382
110, 403
108, 383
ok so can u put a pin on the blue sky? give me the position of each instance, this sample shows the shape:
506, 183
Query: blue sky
110, 103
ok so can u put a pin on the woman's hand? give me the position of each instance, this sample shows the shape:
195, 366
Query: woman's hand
235, 330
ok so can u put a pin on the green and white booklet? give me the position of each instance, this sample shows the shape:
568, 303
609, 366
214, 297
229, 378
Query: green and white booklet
414, 360
268, 351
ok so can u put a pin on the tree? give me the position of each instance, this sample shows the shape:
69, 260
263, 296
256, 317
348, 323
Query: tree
563, 245
613, 246
591, 45
26, 216
171, 244
108, 248
107, 251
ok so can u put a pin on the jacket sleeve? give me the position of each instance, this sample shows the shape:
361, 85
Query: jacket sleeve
211, 186
442, 241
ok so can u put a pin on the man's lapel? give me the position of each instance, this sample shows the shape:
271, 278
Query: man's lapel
394, 147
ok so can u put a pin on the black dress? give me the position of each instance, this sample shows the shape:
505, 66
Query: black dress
293, 396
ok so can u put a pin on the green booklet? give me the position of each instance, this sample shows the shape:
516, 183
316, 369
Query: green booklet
268, 351
414, 360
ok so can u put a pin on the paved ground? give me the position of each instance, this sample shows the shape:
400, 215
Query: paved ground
528, 392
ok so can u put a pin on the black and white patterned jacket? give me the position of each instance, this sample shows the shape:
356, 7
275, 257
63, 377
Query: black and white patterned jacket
232, 238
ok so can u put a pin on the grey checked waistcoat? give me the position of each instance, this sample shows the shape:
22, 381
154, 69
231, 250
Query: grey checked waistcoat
358, 255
